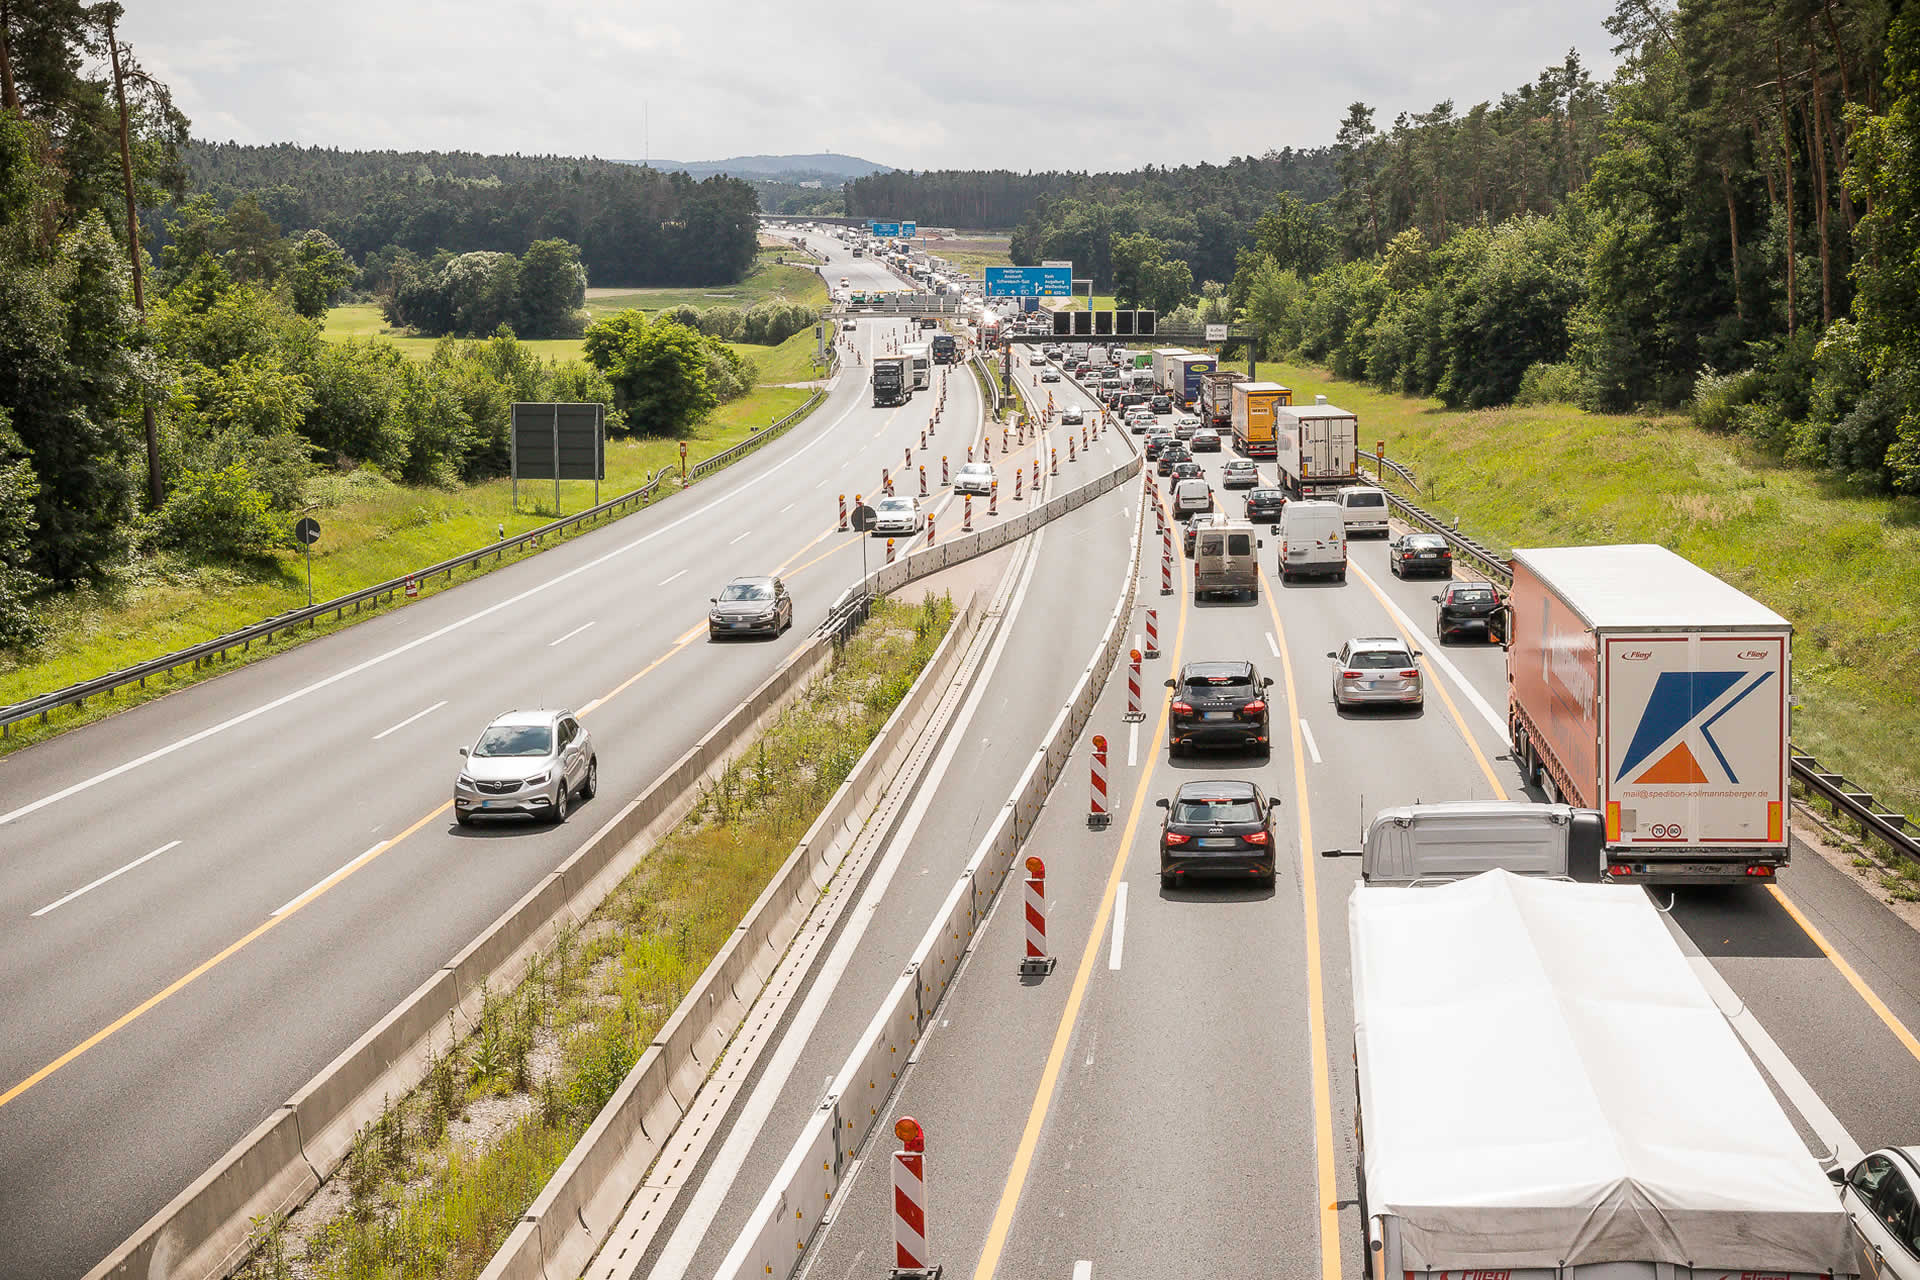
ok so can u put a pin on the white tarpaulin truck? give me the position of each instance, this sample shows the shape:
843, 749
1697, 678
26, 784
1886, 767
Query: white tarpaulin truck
1644, 687
1547, 1092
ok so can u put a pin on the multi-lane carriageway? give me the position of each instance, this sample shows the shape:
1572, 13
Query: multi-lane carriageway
1173, 1100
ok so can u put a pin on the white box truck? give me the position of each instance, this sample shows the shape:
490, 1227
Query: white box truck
1162, 356
1640, 685
1548, 1092
1318, 448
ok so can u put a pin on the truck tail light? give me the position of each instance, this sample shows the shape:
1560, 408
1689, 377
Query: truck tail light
1760, 870
1619, 869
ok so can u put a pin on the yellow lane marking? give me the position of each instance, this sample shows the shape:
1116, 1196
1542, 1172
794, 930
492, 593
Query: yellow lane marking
1316, 996
1859, 984
1433, 681
1043, 1096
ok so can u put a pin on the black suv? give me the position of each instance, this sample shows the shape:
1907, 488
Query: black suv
1265, 505
1218, 704
1171, 452
1223, 828
1163, 404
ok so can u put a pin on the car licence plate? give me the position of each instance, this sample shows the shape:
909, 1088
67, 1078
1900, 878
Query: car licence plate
1216, 715
1225, 842
488, 804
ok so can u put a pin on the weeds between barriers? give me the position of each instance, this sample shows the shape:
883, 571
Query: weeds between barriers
435, 1184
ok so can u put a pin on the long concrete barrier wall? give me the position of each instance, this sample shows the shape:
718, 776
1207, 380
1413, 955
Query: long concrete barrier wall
774, 1241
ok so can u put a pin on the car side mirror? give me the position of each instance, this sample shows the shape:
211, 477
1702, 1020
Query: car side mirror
1162, 803
713, 599
463, 751
1418, 654
1435, 599
1259, 542
1169, 684
1267, 683
1333, 655
1837, 1176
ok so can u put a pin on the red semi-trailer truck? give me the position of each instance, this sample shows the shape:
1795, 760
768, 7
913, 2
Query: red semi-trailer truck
1644, 687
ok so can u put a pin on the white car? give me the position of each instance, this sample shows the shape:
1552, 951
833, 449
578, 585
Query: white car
1879, 1195
1372, 669
1071, 416
897, 515
975, 477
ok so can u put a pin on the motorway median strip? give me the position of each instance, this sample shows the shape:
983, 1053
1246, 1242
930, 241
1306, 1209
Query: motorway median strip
437, 1182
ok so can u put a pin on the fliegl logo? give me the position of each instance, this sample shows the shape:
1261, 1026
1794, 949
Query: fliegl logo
1635, 655
1682, 711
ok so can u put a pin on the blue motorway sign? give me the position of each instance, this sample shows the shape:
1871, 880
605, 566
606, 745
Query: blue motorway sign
894, 230
1029, 282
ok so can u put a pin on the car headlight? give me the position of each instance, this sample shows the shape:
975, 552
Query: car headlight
465, 780
539, 779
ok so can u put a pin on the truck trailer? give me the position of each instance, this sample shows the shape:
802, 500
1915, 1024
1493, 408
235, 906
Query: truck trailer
1251, 407
1184, 376
1641, 685
1216, 397
919, 357
890, 386
1547, 1091
1317, 446
1162, 356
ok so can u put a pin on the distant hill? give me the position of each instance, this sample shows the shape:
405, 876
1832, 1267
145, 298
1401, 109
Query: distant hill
830, 167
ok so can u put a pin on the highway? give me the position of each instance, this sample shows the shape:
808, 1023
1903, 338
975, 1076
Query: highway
1176, 1098
210, 896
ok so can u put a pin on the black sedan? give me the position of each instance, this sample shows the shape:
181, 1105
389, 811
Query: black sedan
1467, 607
1219, 828
1188, 471
1215, 704
1265, 505
1413, 553
1171, 452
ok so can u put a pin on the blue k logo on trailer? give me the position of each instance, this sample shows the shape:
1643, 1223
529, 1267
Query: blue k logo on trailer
1681, 700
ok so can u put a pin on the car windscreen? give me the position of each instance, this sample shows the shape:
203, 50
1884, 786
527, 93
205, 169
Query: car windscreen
1366, 500
747, 591
1426, 541
1378, 659
515, 740
1471, 593
1267, 495
901, 505
1219, 678
1203, 809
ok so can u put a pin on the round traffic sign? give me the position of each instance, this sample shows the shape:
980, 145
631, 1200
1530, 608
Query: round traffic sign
862, 518
307, 531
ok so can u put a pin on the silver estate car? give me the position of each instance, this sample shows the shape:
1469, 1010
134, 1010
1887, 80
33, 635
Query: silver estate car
1376, 669
527, 762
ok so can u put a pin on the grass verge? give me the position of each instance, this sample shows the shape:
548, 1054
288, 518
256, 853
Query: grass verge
1845, 569
434, 1185
373, 531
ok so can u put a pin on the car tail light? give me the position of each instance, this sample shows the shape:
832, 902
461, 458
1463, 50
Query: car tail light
1255, 837
1256, 707
1406, 555
1174, 837
1446, 555
1183, 708
1349, 675
1409, 675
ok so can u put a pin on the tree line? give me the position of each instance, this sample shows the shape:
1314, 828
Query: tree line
634, 226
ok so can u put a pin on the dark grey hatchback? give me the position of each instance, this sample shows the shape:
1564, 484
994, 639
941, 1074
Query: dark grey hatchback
1218, 828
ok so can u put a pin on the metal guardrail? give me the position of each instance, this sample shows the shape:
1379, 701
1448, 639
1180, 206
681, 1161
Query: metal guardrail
1897, 831
76, 695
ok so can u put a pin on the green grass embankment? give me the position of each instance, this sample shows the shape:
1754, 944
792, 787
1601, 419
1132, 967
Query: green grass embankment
1845, 569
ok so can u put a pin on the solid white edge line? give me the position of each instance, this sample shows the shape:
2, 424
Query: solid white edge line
1119, 929
675, 577
409, 720
1306, 732
1083, 1269
1439, 659
103, 879
158, 753
570, 635
299, 898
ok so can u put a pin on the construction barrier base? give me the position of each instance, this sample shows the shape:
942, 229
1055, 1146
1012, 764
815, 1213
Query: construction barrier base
1135, 717
1034, 965
915, 1273
1099, 819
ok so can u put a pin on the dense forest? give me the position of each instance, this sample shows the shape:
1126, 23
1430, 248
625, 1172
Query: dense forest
634, 226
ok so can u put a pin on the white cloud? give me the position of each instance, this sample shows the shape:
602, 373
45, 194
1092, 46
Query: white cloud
996, 83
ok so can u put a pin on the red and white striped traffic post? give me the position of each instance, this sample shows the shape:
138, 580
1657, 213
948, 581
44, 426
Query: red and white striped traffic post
1097, 815
413, 588
906, 456
1036, 960
843, 513
1003, 437
1017, 475
889, 550
993, 499
1134, 714
923, 437
966, 509
923, 482
944, 481
886, 482
1070, 453
929, 528
910, 1253
1166, 571
1083, 435
1153, 633
969, 453
1053, 463
1036, 473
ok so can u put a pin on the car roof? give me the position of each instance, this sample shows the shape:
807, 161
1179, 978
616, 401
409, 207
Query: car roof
897, 501
757, 579
1225, 788
536, 716
1424, 537
1204, 669
1377, 642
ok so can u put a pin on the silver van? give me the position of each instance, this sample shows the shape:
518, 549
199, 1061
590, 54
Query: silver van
1226, 560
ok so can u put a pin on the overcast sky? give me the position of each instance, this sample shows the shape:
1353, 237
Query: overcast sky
985, 83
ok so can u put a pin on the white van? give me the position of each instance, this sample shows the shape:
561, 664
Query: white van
1313, 541
1226, 560
1190, 497
1365, 509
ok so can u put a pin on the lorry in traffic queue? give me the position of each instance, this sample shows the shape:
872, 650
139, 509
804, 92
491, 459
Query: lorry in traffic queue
1184, 376
1216, 397
1161, 357
990, 326
1546, 1090
890, 381
1642, 686
919, 357
1250, 413
1317, 446
945, 349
